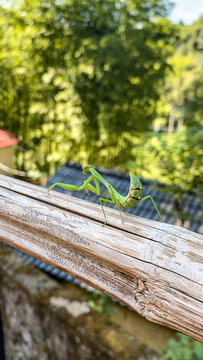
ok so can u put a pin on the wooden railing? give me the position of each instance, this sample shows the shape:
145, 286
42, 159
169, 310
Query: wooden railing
154, 268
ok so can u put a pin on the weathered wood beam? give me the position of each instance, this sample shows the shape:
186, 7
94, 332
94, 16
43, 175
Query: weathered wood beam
154, 268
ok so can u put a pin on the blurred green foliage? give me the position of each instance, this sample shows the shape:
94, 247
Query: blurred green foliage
78, 76
185, 348
102, 303
90, 80
175, 160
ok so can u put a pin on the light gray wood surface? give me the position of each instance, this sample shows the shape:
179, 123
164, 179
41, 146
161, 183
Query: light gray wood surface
154, 268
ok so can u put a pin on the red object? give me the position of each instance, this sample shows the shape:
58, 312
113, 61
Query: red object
7, 139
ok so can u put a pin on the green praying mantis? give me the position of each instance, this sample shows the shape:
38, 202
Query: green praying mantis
123, 202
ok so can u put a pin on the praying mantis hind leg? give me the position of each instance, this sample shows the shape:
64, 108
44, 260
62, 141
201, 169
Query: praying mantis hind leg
112, 201
73, 187
107, 194
97, 191
150, 197
106, 200
87, 193
64, 186
116, 201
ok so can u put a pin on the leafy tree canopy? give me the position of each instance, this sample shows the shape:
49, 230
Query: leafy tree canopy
105, 59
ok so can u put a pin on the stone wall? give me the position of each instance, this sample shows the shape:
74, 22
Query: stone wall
44, 319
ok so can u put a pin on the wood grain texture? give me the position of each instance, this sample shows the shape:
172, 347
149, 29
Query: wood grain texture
154, 268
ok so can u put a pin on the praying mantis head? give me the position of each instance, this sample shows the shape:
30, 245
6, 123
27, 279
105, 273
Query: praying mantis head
86, 168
